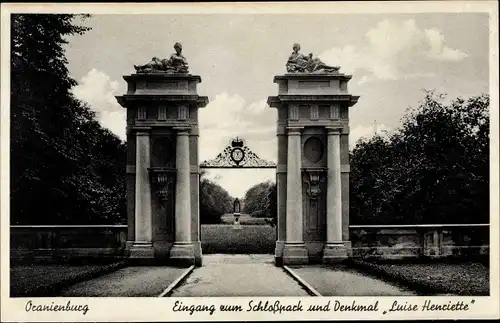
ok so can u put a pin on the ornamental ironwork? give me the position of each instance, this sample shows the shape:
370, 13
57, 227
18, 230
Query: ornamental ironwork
237, 155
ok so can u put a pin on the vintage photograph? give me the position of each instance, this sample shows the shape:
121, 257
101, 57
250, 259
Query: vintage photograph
248, 155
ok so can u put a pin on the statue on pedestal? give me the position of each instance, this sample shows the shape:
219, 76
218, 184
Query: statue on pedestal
236, 211
300, 63
176, 63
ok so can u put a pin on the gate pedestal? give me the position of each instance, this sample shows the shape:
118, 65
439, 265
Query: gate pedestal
334, 253
312, 174
162, 167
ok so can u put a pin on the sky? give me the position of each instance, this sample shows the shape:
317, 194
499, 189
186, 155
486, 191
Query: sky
392, 57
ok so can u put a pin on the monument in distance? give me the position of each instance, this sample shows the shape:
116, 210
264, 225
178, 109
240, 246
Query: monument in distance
312, 173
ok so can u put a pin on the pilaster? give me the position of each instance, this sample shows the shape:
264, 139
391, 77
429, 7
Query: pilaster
182, 251
294, 251
142, 248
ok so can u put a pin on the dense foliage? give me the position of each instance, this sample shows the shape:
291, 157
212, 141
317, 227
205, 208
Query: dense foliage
433, 169
214, 201
65, 168
260, 200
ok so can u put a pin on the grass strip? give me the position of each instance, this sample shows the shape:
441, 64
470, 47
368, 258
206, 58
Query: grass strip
463, 279
50, 284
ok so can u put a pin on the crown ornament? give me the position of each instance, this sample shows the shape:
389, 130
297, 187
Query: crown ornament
237, 154
237, 142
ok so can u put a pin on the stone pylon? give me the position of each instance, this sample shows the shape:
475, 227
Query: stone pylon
313, 167
162, 167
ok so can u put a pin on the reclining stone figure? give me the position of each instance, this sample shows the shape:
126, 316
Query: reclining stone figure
300, 63
177, 63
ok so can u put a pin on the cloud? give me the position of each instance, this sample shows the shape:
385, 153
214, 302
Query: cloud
98, 90
365, 132
392, 51
438, 50
229, 116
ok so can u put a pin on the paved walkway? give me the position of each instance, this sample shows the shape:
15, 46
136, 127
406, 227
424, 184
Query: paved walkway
130, 281
234, 275
343, 281
239, 275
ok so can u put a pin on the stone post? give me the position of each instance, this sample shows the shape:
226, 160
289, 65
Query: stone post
182, 251
159, 102
315, 102
334, 247
294, 251
143, 246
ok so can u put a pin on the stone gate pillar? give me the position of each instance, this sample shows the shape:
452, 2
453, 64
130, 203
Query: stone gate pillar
163, 167
316, 194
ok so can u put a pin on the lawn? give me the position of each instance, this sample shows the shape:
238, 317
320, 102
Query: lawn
221, 238
464, 279
46, 280
245, 219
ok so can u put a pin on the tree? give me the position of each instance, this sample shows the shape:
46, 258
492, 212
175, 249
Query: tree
272, 203
65, 168
214, 201
257, 200
433, 169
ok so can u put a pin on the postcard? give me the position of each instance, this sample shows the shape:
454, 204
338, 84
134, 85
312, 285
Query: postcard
249, 161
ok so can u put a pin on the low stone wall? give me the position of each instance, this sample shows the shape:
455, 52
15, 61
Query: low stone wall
58, 243
416, 241
67, 242
108, 242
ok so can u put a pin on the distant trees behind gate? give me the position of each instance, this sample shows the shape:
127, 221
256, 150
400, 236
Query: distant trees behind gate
215, 201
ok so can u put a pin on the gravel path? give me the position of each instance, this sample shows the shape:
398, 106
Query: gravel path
340, 281
130, 281
239, 275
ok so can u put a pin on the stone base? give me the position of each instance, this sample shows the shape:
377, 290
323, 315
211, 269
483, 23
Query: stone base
295, 254
182, 254
128, 246
142, 253
198, 254
278, 254
335, 253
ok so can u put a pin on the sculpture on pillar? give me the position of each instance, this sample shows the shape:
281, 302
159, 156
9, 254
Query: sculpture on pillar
236, 206
176, 63
300, 63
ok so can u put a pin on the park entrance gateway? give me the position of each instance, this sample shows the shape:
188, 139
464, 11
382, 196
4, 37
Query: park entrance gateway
312, 172
237, 155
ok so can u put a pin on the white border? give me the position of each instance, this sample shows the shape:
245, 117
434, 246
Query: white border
160, 309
